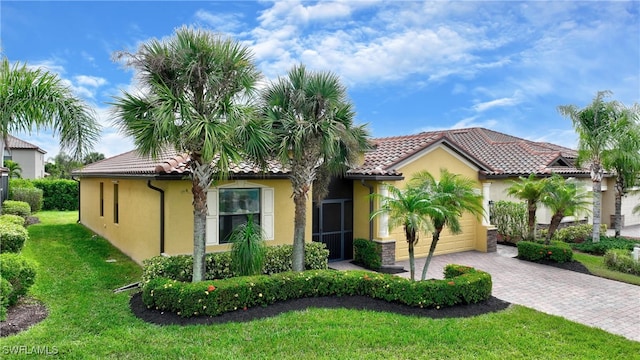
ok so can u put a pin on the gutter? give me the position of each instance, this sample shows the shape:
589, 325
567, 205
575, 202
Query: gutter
79, 194
370, 187
161, 214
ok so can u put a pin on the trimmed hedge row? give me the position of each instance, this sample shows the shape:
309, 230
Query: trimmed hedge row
621, 260
30, 195
574, 234
218, 265
59, 194
12, 235
605, 244
367, 253
19, 208
20, 273
557, 251
462, 285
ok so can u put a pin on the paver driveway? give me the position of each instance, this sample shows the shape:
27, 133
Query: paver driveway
610, 305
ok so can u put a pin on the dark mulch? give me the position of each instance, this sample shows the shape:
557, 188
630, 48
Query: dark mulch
572, 266
328, 302
24, 314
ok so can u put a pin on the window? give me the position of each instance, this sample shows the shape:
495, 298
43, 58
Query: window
229, 205
101, 199
116, 214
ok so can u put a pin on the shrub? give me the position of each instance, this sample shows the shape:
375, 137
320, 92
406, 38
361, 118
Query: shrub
13, 207
59, 194
12, 236
218, 265
217, 297
14, 219
575, 233
5, 291
19, 183
605, 243
510, 218
368, 253
538, 252
248, 250
18, 271
621, 260
32, 196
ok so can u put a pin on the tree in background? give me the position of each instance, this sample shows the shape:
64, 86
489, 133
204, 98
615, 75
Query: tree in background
92, 157
531, 190
311, 119
594, 125
199, 86
61, 166
564, 198
15, 171
36, 99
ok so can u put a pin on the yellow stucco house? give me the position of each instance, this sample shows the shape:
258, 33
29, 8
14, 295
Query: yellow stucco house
144, 206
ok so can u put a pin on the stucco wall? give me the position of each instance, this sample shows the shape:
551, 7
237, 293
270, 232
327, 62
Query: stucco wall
31, 162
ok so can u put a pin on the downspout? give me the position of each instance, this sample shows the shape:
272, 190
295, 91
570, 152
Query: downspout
79, 194
370, 187
161, 214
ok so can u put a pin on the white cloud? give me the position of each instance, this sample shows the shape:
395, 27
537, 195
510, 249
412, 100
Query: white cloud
221, 22
502, 102
92, 81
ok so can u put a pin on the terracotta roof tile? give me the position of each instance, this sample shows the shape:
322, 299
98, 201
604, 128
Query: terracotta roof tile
15, 143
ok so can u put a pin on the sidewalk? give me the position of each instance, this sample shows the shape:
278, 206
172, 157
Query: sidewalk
606, 304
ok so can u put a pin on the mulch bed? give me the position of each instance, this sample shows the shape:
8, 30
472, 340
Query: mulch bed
24, 314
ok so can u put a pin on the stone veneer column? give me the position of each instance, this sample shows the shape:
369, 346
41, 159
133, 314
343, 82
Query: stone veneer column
492, 239
388, 252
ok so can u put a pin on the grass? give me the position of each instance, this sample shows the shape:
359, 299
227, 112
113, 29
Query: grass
596, 266
87, 320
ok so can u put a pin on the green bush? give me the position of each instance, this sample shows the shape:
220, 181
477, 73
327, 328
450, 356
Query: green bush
219, 266
59, 194
14, 219
605, 243
32, 196
510, 219
368, 253
574, 234
12, 237
220, 296
18, 271
249, 248
16, 183
534, 251
5, 292
13, 207
621, 260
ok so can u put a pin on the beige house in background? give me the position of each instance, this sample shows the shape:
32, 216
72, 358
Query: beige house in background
30, 157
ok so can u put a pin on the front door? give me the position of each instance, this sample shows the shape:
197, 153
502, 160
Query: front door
333, 226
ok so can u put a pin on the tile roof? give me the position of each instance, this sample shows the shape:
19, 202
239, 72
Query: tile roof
15, 143
496, 154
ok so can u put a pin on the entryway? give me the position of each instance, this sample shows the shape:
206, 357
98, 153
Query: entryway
333, 220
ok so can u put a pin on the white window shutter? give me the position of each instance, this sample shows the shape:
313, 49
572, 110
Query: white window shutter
267, 213
212, 217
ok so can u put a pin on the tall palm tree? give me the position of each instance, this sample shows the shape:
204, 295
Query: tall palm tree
451, 196
529, 189
37, 99
563, 198
312, 121
593, 124
409, 209
198, 87
15, 171
623, 158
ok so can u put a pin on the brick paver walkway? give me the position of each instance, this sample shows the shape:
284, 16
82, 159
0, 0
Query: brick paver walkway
606, 304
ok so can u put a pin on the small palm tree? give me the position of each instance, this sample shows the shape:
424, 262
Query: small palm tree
312, 121
531, 190
15, 171
248, 249
450, 197
36, 99
563, 198
409, 209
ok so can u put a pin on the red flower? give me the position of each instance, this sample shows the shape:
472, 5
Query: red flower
451, 283
245, 308
549, 253
211, 288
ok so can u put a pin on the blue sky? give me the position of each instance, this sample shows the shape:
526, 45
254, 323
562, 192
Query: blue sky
409, 66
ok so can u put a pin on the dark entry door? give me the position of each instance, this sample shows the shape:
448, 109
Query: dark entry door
333, 226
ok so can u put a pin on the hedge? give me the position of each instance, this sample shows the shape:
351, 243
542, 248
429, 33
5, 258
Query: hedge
574, 233
534, 251
5, 292
218, 265
32, 196
18, 271
14, 219
13, 207
621, 260
605, 244
59, 194
367, 253
462, 285
12, 236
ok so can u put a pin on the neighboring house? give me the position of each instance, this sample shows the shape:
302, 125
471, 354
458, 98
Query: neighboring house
144, 207
30, 157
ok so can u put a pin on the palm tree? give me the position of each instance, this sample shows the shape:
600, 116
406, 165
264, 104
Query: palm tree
409, 208
36, 99
92, 157
15, 171
450, 197
198, 86
593, 124
529, 189
623, 158
563, 198
312, 121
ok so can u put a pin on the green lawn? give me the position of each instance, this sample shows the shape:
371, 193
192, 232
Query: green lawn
87, 320
595, 264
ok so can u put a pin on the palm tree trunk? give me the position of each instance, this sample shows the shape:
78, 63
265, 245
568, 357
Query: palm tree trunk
618, 215
199, 229
299, 224
596, 176
532, 207
553, 226
412, 260
432, 249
